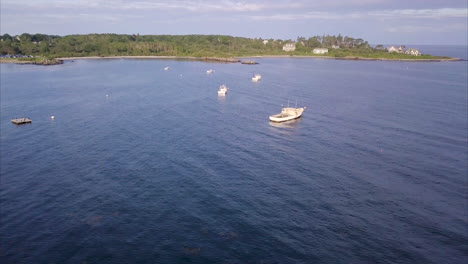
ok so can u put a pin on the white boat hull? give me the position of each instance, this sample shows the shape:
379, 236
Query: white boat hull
256, 78
287, 114
222, 90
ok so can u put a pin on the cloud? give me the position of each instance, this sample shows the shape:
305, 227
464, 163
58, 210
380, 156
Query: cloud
54, 18
423, 13
428, 28
386, 14
193, 6
307, 15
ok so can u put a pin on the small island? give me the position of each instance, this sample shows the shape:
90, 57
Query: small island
42, 49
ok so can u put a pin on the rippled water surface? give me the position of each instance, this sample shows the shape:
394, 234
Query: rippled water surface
143, 165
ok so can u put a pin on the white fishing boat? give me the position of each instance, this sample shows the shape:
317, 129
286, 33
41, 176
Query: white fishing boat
257, 77
210, 71
166, 68
287, 113
222, 90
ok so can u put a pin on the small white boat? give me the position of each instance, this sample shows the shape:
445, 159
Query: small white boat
166, 68
210, 71
222, 90
287, 113
257, 77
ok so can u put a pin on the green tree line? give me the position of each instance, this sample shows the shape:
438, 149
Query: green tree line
175, 45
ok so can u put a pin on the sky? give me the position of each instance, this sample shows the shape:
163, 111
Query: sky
431, 22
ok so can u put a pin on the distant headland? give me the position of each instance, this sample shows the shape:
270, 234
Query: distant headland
50, 49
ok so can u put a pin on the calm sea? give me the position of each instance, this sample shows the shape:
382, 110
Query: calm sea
143, 165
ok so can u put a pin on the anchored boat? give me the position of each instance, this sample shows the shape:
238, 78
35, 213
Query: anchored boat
287, 113
222, 90
257, 77
210, 71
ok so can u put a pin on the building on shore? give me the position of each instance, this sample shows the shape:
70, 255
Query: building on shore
400, 49
320, 51
335, 47
413, 52
392, 49
289, 47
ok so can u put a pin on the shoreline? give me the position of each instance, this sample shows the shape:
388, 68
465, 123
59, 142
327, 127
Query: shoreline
10, 61
233, 59
219, 59
238, 59
350, 58
46, 62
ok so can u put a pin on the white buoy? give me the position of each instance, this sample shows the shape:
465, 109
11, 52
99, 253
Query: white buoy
52, 117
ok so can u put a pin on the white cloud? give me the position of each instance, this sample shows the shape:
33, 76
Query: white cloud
193, 6
307, 15
423, 13
428, 28
54, 18
385, 14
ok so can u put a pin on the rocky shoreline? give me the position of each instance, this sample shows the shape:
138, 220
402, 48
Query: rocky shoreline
219, 59
45, 62
239, 59
354, 58
58, 61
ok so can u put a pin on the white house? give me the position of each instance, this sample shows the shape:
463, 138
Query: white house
335, 47
265, 42
289, 47
394, 49
413, 52
320, 51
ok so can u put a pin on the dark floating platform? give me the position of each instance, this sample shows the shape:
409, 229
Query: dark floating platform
249, 62
20, 121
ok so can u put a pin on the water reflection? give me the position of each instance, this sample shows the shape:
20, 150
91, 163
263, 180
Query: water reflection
285, 129
221, 98
288, 124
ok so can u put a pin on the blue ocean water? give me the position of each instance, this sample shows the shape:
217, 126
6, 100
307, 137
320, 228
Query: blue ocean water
454, 51
143, 165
